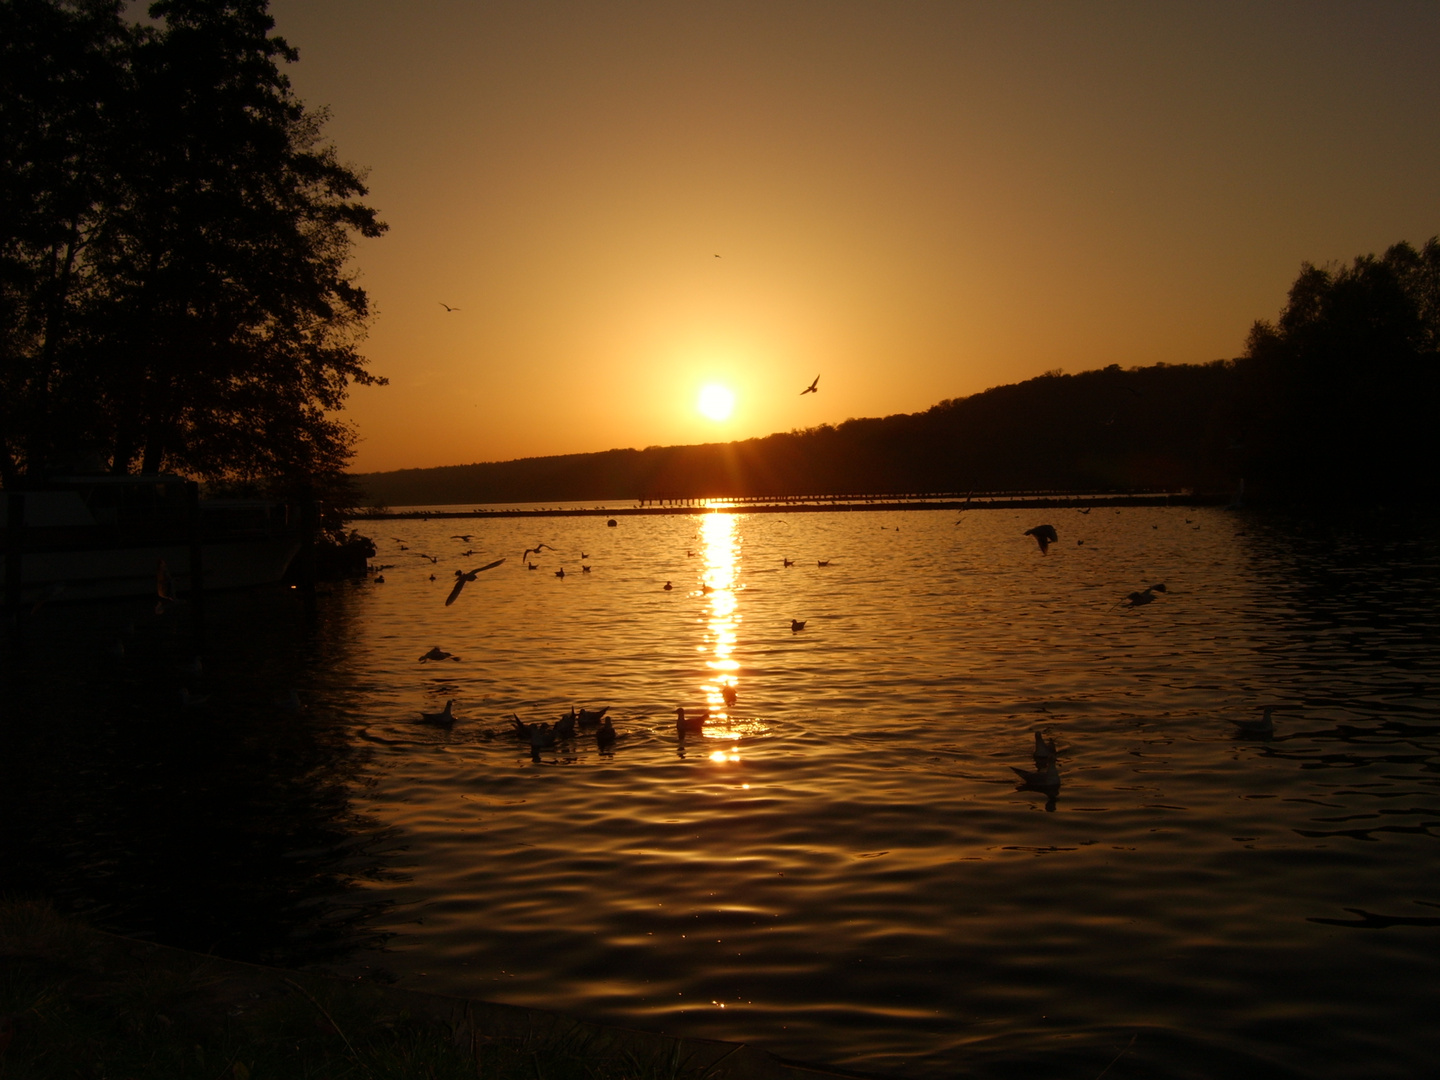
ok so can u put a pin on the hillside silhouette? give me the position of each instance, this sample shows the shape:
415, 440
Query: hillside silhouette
1166, 426
1335, 401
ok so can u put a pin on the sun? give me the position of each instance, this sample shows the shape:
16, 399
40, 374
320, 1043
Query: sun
716, 402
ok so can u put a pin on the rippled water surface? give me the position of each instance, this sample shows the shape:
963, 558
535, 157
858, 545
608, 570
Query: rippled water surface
844, 868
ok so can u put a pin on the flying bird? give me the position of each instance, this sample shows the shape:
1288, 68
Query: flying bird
1145, 596
462, 576
813, 388
535, 550
464, 539
446, 306
1044, 536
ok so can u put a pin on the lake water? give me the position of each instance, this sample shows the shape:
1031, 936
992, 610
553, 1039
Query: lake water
843, 868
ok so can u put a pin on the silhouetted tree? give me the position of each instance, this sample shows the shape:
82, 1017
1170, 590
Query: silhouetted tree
63, 76
209, 316
1341, 391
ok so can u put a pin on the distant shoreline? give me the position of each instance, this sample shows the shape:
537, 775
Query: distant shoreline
803, 504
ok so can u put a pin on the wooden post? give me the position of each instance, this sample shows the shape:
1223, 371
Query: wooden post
14, 547
197, 557
309, 529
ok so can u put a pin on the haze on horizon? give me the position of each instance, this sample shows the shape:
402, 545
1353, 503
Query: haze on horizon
914, 201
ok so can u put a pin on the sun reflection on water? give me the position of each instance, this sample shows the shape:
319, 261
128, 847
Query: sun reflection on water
720, 542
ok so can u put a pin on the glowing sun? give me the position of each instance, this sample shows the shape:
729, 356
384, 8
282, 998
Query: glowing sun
716, 402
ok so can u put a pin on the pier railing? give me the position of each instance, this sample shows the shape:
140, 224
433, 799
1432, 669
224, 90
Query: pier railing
803, 503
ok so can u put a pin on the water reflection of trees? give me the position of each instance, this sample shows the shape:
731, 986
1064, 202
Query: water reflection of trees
225, 828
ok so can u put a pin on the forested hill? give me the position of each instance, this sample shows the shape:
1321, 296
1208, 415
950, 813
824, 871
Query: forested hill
1336, 401
1162, 426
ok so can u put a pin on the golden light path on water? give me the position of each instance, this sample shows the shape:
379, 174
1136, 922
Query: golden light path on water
720, 583
844, 859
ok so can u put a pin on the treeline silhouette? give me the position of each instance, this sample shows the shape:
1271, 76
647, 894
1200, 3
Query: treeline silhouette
1153, 427
175, 235
1336, 400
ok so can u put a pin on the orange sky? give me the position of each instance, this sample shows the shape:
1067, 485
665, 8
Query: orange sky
914, 200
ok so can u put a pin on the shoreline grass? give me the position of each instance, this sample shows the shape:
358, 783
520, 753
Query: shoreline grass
78, 1002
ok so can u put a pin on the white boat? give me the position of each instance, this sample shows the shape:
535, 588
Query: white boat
100, 537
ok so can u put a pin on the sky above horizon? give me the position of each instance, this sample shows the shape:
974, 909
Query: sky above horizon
627, 204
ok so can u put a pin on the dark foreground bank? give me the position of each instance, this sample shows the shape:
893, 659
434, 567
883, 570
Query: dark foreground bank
76, 1002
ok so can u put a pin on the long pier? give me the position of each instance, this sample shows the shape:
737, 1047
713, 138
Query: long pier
799, 504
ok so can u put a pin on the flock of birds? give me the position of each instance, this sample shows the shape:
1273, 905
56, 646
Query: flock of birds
1044, 777
539, 735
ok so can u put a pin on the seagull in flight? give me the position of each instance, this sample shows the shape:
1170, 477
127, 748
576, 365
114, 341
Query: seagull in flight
446, 306
813, 388
462, 576
463, 538
536, 550
1044, 536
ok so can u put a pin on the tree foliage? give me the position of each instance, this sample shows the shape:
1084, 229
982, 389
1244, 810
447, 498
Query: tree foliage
1340, 393
174, 282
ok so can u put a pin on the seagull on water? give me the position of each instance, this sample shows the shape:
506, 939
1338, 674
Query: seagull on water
796, 625
694, 724
591, 717
1262, 728
1043, 778
444, 718
605, 735
1044, 751
437, 653
668, 586
462, 576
